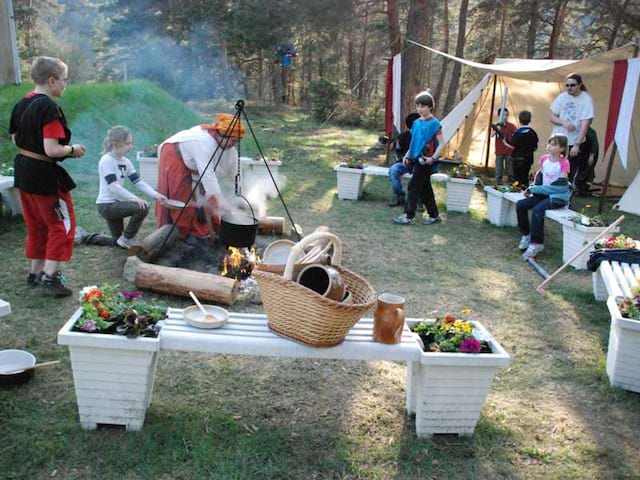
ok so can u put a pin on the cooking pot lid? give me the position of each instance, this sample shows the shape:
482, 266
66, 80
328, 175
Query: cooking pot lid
15, 361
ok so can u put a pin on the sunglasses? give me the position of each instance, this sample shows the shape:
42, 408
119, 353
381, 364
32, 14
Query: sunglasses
570, 85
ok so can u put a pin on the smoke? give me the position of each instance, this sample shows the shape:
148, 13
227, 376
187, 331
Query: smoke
257, 188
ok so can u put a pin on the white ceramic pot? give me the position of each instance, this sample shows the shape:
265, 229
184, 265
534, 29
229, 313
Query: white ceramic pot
350, 182
623, 355
113, 375
459, 191
446, 391
500, 211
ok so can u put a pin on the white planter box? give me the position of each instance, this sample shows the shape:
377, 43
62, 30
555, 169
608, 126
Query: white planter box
251, 169
10, 196
148, 169
446, 391
623, 356
574, 237
500, 211
459, 191
350, 182
113, 375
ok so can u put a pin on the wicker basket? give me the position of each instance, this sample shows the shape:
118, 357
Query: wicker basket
303, 315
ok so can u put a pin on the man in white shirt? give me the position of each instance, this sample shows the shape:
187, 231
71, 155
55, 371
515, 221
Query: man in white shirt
183, 158
571, 115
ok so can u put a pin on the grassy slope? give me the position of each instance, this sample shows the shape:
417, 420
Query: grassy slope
550, 415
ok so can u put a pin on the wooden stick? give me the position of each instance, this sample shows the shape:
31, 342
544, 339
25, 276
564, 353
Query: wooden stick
37, 365
540, 287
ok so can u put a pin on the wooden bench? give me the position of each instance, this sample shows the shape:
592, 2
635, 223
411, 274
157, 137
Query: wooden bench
248, 334
560, 215
10, 196
5, 308
384, 172
614, 279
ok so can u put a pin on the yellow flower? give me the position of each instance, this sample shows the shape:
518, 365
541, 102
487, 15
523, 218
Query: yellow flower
465, 310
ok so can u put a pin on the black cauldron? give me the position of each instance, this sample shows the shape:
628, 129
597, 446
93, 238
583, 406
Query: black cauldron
240, 230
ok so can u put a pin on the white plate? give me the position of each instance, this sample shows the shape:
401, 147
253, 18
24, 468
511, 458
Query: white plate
174, 203
277, 252
194, 316
15, 361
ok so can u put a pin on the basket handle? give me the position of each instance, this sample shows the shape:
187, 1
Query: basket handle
298, 249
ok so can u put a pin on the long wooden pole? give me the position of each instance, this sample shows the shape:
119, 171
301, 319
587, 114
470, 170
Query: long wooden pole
493, 104
611, 227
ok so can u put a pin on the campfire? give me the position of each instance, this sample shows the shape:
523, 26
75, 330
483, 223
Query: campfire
238, 263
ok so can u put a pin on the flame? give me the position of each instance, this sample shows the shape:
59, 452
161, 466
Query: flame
238, 265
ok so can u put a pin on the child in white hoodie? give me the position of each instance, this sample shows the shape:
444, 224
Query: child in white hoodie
115, 202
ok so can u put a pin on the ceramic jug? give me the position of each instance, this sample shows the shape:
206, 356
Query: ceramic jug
324, 280
388, 319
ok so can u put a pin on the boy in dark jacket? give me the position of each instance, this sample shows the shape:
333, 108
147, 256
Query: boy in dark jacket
524, 142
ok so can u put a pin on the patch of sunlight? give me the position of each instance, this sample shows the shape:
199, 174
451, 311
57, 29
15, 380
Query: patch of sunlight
439, 240
325, 203
497, 286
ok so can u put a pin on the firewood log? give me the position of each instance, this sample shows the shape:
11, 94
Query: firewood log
151, 244
178, 281
271, 225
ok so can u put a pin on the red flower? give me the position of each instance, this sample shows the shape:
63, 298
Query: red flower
104, 314
93, 294
449, 319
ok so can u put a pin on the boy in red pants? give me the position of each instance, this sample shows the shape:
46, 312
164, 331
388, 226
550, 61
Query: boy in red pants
39, 130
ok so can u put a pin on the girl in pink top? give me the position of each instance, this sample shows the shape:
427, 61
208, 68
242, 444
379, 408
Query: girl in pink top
550, 191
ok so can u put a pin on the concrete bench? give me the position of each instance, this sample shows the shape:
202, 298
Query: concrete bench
614, 279
560, 215
10, 196
384, 172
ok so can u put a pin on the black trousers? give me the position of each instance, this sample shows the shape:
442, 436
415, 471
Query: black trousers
420, 188
579, 172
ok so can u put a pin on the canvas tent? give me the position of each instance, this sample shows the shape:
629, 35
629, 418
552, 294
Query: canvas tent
532, 85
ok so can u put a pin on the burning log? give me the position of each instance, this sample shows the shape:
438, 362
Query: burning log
150, 246
271, 225
238, 263
178, 281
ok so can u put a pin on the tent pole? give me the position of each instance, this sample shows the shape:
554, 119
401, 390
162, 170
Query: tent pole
493, 104
607, 175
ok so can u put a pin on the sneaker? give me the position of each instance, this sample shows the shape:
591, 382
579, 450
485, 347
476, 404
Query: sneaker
533, 250
431, 220
127, 243
33, 279
404, 220
55, 284
525, 240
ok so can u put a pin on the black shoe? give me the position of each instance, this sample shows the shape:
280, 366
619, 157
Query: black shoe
397, 201
34, 279
55, 284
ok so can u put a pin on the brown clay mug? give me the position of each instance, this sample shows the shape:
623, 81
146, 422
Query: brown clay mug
388, 318
324, 280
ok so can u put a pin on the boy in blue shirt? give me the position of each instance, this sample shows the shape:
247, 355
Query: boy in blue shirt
426, 144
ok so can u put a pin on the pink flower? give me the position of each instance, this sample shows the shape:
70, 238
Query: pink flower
470, 345
88, 327
131, 295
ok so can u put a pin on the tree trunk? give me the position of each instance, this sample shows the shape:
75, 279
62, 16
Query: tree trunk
363, 57
533, 28
150, 246
179, 281
503, 19
413, 57
351, 65
619, 15
393, 21
559, 15
445, 49
260, 75
457, 67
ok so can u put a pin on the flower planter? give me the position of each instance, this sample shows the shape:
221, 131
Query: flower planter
10, 196
113, 375
446, 391
350, 182
623, 356
148, 169
459, 191
574, 237
500, 211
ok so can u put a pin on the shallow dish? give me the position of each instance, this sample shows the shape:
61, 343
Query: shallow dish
11, 360
194, 317
174, 203
277, 252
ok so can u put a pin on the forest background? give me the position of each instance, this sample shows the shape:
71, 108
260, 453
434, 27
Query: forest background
326, 55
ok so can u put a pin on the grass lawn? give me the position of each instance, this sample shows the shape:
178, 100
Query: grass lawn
551, 414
